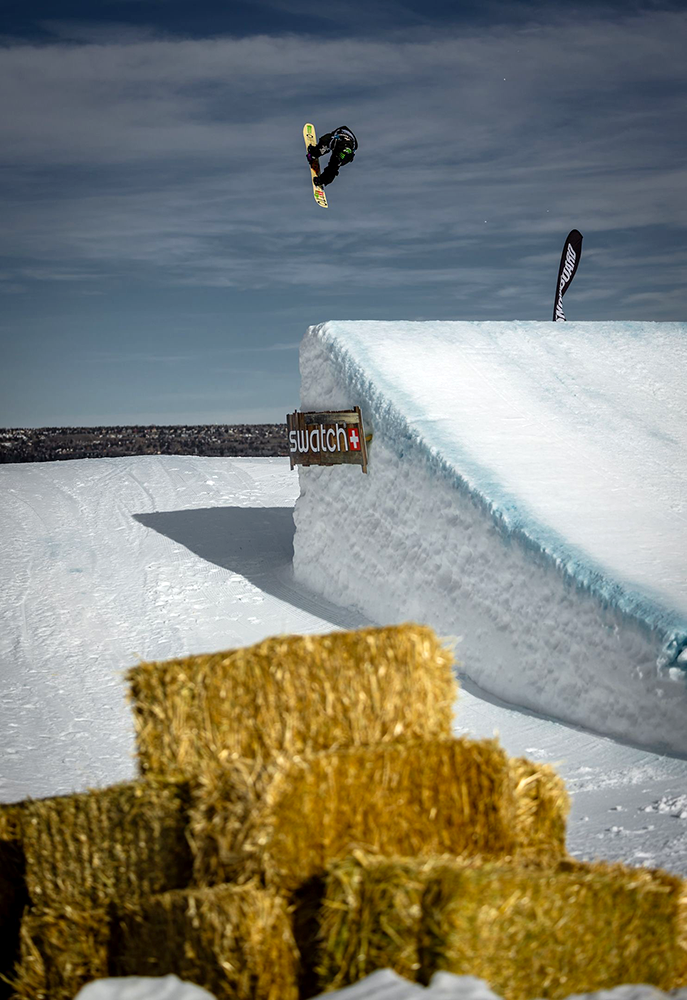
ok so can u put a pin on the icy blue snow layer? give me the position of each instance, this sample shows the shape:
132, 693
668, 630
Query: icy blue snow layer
572, 435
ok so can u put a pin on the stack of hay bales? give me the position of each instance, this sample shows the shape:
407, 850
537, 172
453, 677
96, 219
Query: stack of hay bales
305, 749
529, 931
307, 794
83, 852
101, 863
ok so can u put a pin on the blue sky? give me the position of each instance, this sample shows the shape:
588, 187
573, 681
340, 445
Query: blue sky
161, 254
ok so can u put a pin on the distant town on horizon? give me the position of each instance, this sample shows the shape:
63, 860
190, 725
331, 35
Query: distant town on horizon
50, 444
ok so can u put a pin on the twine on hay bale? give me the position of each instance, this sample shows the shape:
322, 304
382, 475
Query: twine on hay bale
61, 951
292, 694
284, 822
235, 941
529, 932
542, 808
117, 843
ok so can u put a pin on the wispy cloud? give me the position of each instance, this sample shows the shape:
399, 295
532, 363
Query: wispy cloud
186, 154
134, 159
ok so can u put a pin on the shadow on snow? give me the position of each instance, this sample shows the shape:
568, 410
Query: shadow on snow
256, 543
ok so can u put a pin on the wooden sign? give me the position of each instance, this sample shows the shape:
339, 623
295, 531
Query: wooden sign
335, 437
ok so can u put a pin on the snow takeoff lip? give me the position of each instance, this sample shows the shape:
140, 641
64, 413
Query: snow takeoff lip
526, 493
329, 438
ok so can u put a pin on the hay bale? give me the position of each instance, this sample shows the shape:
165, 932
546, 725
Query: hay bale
529, 932
13, 895
61, 951
369, 919
291, 694
121, 842
550, 933
235, 941
286, 821
542, 808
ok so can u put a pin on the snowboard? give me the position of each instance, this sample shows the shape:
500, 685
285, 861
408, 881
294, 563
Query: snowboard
311, 140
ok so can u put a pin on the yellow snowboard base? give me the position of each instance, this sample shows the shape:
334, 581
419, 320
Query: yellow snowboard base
311, 140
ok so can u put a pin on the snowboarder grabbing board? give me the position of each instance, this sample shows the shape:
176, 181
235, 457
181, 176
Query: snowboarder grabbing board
340, 143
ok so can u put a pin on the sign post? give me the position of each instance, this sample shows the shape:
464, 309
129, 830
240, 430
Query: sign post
333, 437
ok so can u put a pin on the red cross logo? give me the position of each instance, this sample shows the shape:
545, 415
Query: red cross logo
353, 439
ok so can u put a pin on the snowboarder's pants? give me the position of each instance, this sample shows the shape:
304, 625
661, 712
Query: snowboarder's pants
329, 173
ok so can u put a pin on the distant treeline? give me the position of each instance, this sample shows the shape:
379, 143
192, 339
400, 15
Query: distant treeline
50, 444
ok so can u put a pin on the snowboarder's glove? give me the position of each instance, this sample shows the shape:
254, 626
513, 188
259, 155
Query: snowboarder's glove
318, 181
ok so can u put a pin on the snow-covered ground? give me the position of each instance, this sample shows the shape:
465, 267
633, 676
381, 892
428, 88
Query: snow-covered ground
526, 490
107, 561
381, 985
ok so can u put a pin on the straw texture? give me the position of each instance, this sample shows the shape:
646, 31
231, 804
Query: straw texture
292, 694
542, 808
236, 941
285, 822
116, 843
529, 932
61, 951
369, 919
537, 933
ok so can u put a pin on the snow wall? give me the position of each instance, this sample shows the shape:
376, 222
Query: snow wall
527, 494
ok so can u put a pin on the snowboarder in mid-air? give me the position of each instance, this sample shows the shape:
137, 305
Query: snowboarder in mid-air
342, 144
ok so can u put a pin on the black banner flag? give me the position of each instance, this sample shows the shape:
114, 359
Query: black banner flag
570, 258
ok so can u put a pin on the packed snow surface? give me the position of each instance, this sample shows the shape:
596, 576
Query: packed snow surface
384, 984
527, 491
104, 562
143, 988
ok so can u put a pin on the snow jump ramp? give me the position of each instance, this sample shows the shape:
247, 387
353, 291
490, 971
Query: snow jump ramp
527, 493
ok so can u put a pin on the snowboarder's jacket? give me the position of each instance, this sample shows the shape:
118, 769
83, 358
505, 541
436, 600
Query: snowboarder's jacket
342, 144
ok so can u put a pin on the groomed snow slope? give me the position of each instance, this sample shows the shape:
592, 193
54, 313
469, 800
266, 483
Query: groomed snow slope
527, 491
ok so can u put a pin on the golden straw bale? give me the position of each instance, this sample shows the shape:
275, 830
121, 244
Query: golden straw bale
222, 818
529, 932
107, 844
550, 933
236, 941
61, 951
419, 797
369, 919
292, 693
542, 807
